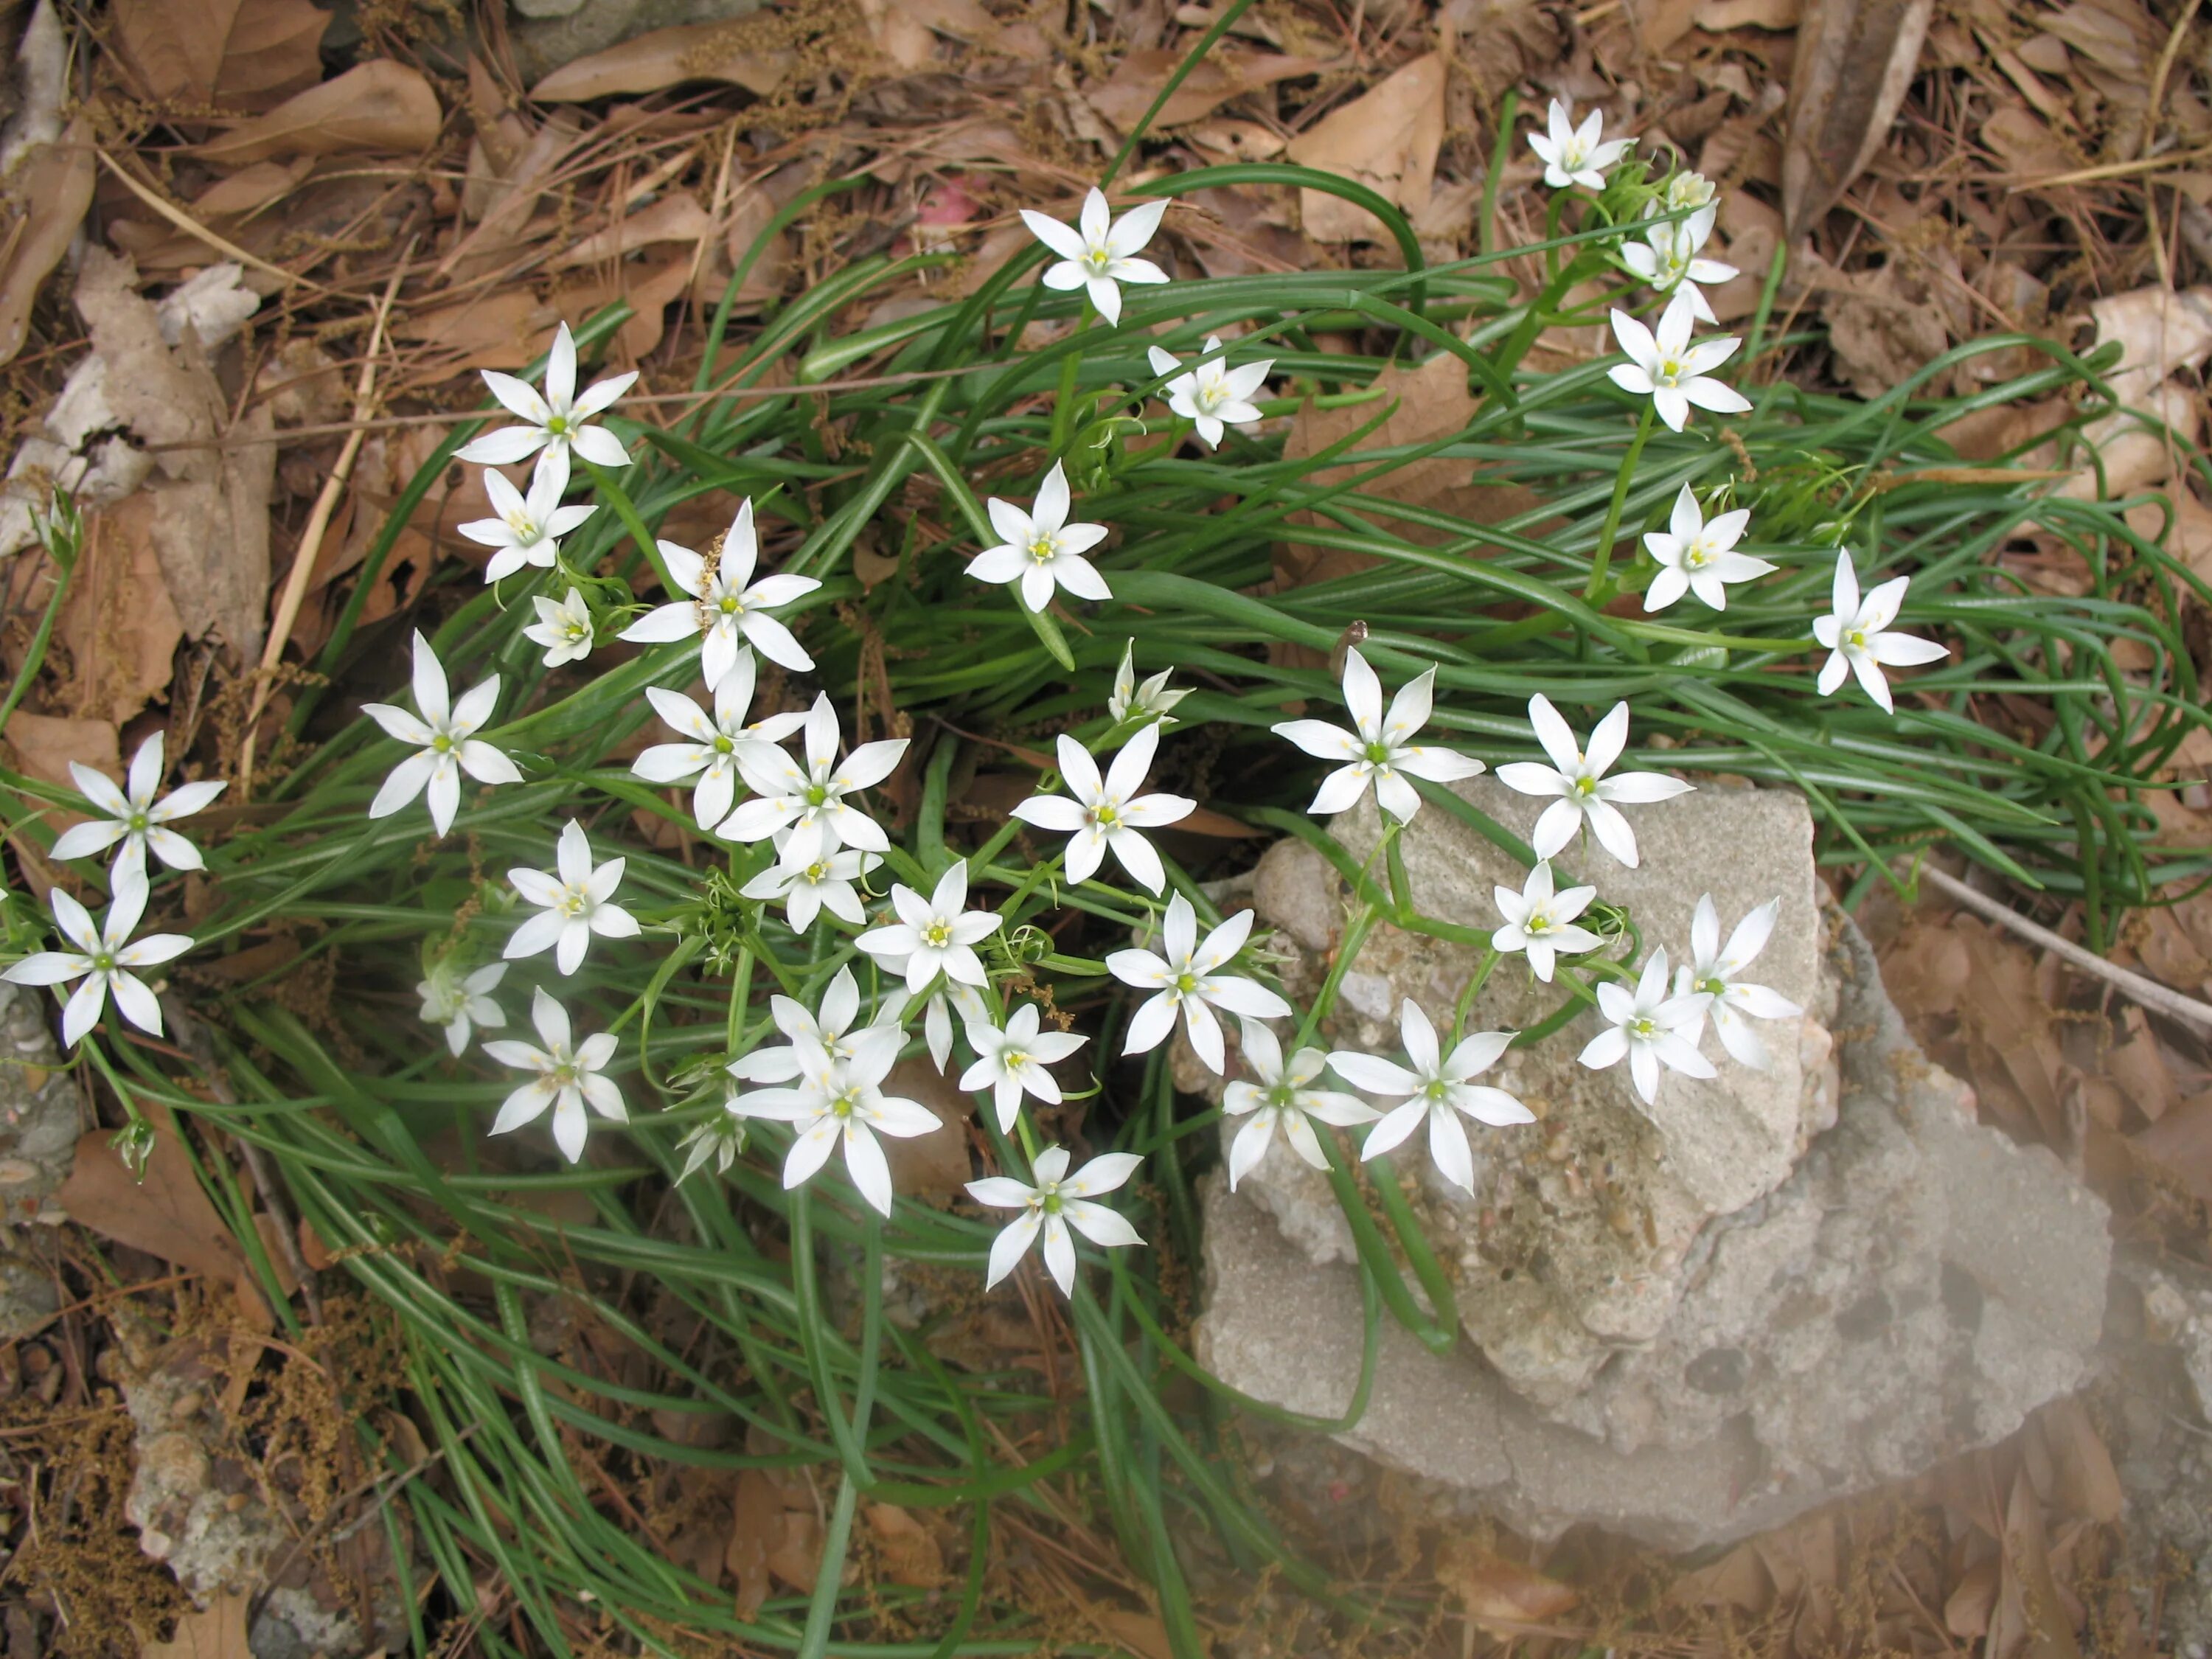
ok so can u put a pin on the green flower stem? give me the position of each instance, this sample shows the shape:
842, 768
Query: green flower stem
1600, 587
1414, 1241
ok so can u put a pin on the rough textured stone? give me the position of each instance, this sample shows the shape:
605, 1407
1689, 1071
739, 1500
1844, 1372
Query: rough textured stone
37, 1105
1689, 1323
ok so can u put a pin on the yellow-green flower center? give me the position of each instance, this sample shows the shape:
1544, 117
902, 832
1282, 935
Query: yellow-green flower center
1044, 549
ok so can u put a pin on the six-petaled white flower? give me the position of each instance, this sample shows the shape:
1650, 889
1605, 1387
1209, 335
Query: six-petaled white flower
935, 935
1712, 979
1058, 1201
835, 1101
569, 1078
134, 816
1149, 701
579, 901
1099, 252
1438, 1087
1211, 396
1699, 557
1670, 258
806, 808
444, 733
807, 889
1098, 814
710, 752
1575, 155
1041, 550
830, 1029
1667, 369
1856, 634
564, 629
1586, 795
724, 606
1012, 1062
556, 421
1380, 749
1684, 189
1282, 1096
1649, 1028
1542, 923
1188, 980
458, 1005
529, 528
103, 959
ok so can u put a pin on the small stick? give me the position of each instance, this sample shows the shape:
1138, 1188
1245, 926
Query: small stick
2147, 991
310, 538
192, 228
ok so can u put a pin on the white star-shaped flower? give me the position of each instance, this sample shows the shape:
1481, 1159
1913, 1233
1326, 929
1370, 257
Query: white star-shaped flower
134, 816
1211, 396
806, 808
807, 889
1577, 155
1586, 795
1151, 700
726, 608
458, 1006
1684, 189
569, 1079
709, 753
529, 528
1282, 1097
1542, 923
1059, 1201
444, 733
1647, 1029
1669, 258
1670, 371
935, 935
1188, 981
1041, 550
556, 421
1856, 634
1097, 813
1012, 1062
1438, 1087
579, 902
1380, 749
842, 1100
103, 959
1099, 252
1711, 979
1698, 557
830, 1029
564, 629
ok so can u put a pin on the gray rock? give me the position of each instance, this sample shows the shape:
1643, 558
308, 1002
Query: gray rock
39, 1122
1690, 1324
551, 33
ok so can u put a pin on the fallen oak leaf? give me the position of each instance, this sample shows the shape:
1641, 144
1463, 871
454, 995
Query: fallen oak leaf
48, 196
242, 54
1386, 140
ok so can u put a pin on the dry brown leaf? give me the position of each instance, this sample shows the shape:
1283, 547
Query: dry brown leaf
1225, 73
2088, 1485
2029, 1622
934, 1167
45, 744
1432, 403
47, 195
1490, 1586
210, 523
906, 31
2178, 1147
240, 55
667, 57
1140, 1633
1854, 60
168, 1215
376, 105
1386, 139
219, 1633
676, 217
1718, 16
119, 622
909, 1552
756, 1524
1966, 1610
